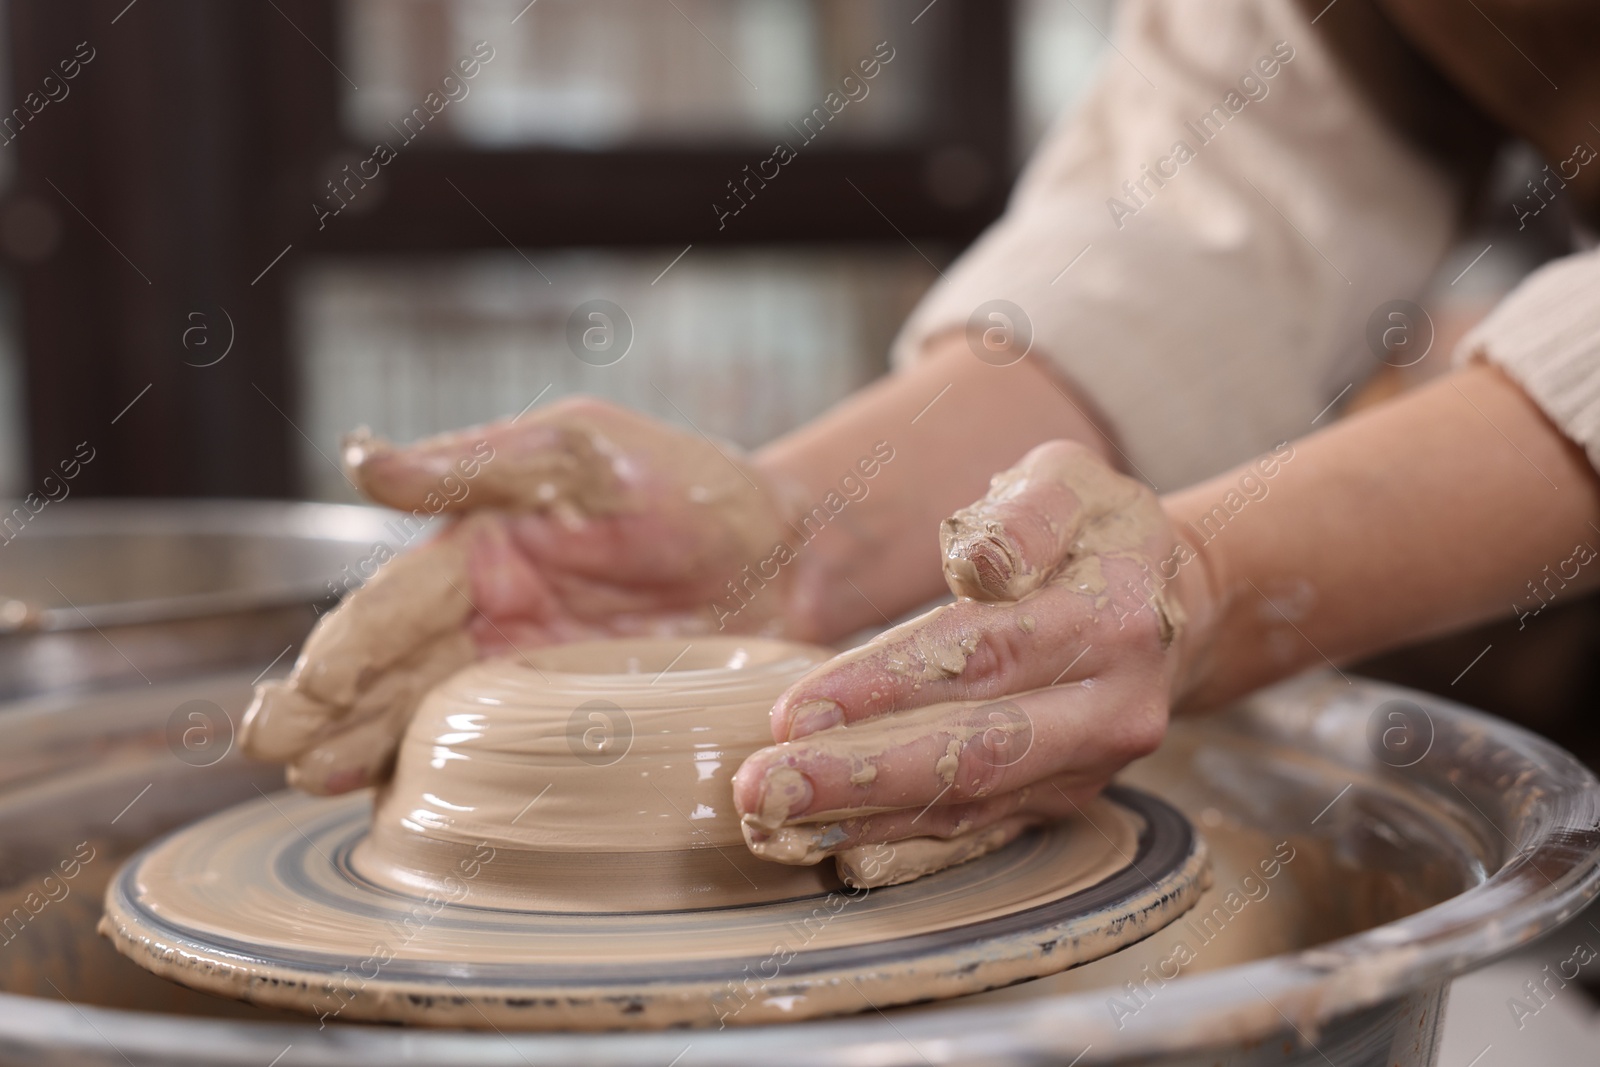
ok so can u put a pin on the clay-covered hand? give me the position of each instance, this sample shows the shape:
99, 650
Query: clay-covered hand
945, 737
580, 520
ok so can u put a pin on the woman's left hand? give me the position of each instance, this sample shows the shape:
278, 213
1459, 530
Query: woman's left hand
947, 736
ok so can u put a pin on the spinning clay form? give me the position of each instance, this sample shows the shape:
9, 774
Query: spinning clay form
558, 849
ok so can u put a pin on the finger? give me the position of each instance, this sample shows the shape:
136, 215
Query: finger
523, 604
281, 721
950, 753
1053, 799
883, 852
414, 598
401, 688
508, 583
560, 458
878, 865
638, 549
428, 476
283, 724
350, 759
972, 650
1034, 519
505, 582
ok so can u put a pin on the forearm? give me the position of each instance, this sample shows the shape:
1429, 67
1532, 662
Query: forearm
1440, 509
952, 421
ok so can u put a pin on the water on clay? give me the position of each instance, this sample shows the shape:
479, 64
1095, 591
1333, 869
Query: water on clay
67, 780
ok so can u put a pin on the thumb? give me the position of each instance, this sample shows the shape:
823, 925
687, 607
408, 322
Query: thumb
430, 475
414, 598
562, 458
1059, 503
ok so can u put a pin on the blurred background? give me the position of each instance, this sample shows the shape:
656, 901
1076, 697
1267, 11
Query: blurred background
143, 218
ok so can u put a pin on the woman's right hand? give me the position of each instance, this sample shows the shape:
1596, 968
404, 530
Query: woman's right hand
581, 520
948, 735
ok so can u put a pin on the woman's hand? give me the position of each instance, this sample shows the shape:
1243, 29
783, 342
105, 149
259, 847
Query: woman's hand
581, 520
952, 733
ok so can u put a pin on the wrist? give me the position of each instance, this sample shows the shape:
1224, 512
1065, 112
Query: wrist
809, 578
1197, 588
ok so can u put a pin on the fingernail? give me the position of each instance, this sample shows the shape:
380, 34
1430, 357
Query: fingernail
981, 561
814, 715
785, 792
789, 845
995, 566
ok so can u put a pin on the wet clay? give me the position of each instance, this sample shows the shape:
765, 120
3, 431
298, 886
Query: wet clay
558, 846
596, 773
337, 717
599, 773
1327, 890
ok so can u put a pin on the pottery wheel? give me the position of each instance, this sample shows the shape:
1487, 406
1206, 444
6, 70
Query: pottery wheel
247, 903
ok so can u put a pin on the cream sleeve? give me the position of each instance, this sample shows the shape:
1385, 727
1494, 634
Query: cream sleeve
1546, 336
1200, 244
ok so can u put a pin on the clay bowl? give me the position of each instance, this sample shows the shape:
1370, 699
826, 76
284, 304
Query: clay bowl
597, 776
558, 849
